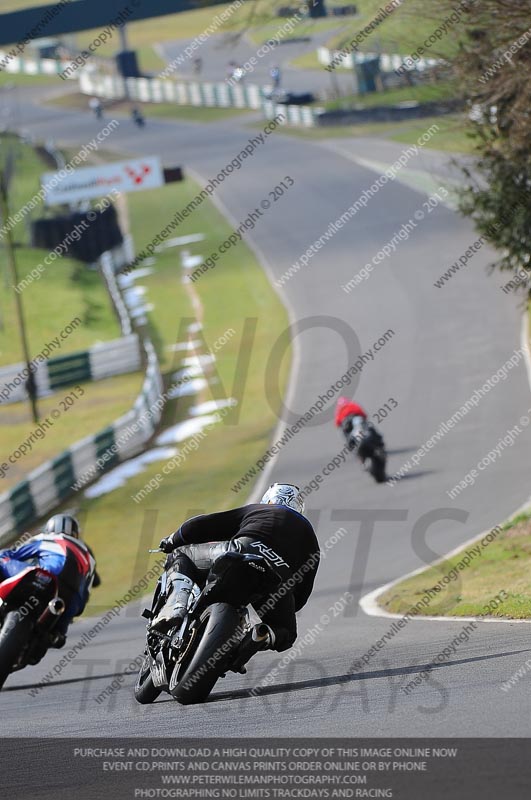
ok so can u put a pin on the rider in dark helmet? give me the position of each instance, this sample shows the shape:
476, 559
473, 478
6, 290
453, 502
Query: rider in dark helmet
276, 529
58, 550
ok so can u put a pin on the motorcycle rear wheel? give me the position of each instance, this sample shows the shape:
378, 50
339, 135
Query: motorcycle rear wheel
378, 467
218, 637
14, 635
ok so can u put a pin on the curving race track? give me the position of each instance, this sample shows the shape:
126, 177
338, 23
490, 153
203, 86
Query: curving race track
446, 343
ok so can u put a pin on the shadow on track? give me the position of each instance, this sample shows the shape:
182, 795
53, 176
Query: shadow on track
401, 451
336, 680
418, 474
48, 685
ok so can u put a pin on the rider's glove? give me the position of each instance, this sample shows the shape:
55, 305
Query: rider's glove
167, 545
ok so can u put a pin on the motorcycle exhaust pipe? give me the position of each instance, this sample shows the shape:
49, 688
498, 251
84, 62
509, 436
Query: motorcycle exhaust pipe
262, 634
56, 606
261, 638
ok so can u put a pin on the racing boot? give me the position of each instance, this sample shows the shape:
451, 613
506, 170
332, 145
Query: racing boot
174, 609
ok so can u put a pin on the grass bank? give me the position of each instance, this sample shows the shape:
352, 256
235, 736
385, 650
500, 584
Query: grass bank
403, 32
10, 80
100, 404
504, 564
65, 288
421, 93
451, 136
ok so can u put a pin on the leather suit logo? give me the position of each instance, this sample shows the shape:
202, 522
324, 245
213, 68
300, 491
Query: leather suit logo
266, 551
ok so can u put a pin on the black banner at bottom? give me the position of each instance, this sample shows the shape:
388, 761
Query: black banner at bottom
147, 769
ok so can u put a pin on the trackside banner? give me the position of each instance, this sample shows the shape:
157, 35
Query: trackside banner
88, 182
405, 769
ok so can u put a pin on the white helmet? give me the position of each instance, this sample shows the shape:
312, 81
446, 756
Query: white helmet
284, 494
63, 524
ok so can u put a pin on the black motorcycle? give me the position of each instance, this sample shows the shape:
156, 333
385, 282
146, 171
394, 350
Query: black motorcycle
30, 608
214, 637
369, 446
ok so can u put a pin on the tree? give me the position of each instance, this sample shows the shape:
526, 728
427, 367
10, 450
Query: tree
492, 67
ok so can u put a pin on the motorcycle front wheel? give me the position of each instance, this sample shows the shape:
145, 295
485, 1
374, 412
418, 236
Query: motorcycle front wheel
145, 690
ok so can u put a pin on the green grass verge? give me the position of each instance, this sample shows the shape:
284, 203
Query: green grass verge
102, 403
402, 32
306, 27
307, 61
16, 5
162, 110
504, 564
66, 288
451, 137
14, 79
236, 289
149, 59
422, 93
192, 113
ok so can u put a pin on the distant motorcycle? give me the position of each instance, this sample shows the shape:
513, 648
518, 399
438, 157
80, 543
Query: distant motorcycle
30, 608
138, 118
96, 106
369, 446
187, 660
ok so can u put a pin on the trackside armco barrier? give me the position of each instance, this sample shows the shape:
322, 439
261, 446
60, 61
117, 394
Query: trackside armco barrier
167, 91
306, 116
110, 263
33, 66
45, 487
388, 62
210, 95
100, 361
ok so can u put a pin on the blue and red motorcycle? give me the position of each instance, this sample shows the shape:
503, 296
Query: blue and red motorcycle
30, 609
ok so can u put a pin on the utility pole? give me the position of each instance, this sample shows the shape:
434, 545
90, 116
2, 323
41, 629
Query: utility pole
122, 33
5, 175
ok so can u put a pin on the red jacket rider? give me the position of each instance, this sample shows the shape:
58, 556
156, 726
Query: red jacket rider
347, 408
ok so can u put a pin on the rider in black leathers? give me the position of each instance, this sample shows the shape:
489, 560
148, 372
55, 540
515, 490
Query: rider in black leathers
276, 529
